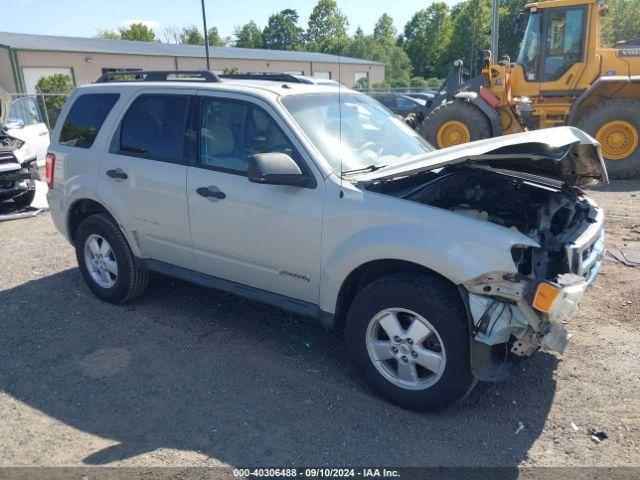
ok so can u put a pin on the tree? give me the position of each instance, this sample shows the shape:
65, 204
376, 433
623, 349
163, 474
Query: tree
471, 33
327, 28
282, 31
231, 71
138, 32
427, 37
59, 83
170, 34
215, 40
622, 22
191, 36
108, 34
248, 36
509, 40
384, 31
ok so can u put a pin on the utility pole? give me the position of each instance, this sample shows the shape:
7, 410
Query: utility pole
495, 29
206, 35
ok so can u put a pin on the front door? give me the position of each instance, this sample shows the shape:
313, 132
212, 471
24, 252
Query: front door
144, 173
264, 236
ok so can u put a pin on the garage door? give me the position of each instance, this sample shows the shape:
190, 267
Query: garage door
32, 75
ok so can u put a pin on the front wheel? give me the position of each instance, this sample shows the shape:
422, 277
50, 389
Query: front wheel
407, 335
453, 123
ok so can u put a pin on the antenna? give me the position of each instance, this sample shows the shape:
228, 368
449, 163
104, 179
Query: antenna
340, 120
206, 35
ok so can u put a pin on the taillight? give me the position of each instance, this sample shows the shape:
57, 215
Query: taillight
51, 165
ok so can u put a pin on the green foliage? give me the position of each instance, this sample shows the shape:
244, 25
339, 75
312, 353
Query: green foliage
384, 31
471, 33
622, 21
248, 36
215, 40
282, 31
427, 37
327, 29
58, 83
108, 34
362, 84
191, 36
138, 32
231, 71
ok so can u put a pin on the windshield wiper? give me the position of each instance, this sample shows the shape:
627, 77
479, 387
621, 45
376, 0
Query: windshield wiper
370, 168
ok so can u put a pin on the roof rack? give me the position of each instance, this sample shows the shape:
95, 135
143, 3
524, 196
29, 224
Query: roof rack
271, 77
160, 76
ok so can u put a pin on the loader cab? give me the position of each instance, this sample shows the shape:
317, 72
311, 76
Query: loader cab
553, 45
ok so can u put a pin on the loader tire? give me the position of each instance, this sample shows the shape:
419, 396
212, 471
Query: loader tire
453, 123
616, 125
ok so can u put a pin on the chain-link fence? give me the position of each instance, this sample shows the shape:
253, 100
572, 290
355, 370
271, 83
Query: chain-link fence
39, 107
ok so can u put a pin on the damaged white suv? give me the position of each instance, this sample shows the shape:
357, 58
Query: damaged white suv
443, 267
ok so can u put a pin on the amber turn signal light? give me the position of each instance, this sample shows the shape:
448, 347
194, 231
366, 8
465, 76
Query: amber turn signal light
545, 295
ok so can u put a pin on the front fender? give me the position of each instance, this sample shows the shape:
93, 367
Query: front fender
455, 246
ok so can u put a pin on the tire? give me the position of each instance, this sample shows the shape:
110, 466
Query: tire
620, 109
26, 199
129, 281
437, 303
455, 111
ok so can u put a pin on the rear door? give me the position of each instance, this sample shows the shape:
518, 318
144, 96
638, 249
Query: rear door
25, 122
143, 174
263, 236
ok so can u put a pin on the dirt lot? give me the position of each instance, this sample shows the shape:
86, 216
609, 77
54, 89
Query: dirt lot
186, 376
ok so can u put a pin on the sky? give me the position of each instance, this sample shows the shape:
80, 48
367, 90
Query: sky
83, 18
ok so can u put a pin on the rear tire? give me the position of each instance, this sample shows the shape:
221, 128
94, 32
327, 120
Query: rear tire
616, 125
453, 123
377, 353
111, 275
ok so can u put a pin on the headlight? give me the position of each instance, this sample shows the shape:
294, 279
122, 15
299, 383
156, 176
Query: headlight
24, 154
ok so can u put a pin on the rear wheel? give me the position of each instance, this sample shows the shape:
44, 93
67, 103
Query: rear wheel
106, 261
453, 123
616, 125
407, 335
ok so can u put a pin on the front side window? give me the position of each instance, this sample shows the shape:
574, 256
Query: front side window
530, 49
231, 131
26, 110
155, 127
85, 119
353, 131
563, 48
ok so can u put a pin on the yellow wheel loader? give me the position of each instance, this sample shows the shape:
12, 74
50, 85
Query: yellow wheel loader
562, 76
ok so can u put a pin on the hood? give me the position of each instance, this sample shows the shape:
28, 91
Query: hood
5, 104
565, 154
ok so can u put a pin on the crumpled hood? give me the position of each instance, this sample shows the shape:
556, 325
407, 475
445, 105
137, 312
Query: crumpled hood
5, 104
566, 154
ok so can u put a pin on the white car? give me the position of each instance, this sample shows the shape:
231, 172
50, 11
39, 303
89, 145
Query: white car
24, 140
443, 267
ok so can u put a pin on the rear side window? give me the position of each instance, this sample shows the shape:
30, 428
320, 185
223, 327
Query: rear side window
85, 118
154, 127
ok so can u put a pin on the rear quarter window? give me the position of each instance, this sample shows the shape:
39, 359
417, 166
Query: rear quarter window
85, 118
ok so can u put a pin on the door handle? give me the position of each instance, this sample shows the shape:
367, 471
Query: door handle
118, 174
210, 192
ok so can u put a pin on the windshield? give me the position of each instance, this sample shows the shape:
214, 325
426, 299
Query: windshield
355, 133
530, 50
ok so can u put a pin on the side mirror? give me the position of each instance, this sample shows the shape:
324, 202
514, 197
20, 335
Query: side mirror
275, 169
14, 123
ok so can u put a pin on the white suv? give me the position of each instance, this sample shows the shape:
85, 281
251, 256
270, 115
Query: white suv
443, 267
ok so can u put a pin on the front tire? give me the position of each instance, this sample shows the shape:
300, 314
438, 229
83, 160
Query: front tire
106, 261
616, 125
407, 335
453, 123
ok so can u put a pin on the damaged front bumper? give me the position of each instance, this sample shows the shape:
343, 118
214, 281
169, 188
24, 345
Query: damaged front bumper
512, 316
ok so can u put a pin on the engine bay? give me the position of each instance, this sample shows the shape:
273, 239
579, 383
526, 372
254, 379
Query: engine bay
550, 213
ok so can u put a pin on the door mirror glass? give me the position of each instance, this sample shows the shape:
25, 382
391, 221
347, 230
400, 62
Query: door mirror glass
275, 169
14, 123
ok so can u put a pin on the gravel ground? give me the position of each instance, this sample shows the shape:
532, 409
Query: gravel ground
186, 376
